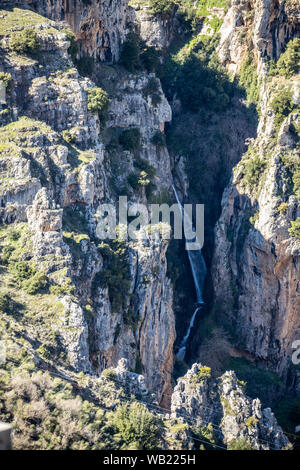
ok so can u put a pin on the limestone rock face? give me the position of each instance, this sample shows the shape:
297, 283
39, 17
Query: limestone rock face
222, 404
56, 170
100, 26
154, 29
256, 260
269, 24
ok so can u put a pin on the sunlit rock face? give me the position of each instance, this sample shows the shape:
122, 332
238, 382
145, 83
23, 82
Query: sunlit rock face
100, 26
222, 404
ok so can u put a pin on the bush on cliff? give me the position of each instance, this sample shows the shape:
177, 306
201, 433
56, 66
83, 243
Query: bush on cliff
136, 55
162, 7
294, 230
25, 42
282, 105
288, 63
130, 139
98, 102
136, 428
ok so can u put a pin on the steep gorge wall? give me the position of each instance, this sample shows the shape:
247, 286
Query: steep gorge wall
62, 170
256, 261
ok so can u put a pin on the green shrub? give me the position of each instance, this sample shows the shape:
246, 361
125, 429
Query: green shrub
150, 58
35, 284
159, 139
136, 55
6, 253
153, 89
197, 84
239, 444
63, 289
133, 180
162, 7
282, 105
249, 80
98, 102
47, 414
25, 42
116, 273
85, 66
110, 374
6, 78
253, 170
296, 182
22, 270
203, 374
283, 207
130, 52
4, 302
28, 278
294, 230
289, 62
130, 139
73, 48
136, 427
143, 165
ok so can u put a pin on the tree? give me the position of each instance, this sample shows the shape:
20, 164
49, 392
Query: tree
136, 427
98, 102
25, 42
130, 53
289, 62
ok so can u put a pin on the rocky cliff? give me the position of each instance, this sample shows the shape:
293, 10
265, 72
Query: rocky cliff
78, 130
219, 408
256, 259
56, 170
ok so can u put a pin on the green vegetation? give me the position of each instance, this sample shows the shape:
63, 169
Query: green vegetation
136, 55
135, 427
25, 42
152, 89
98, 102
75, 230
294, 230
207, 434
283, 207
260, 383
192, 73
204, 373
6, 78
282, 105
239, 444
85, 66
159, 139
73, 48
16, 19
162, 7
130, 139
291, 172
24, 273
253, 169
287, 413
116, 273
288, 63
249, 80
251, 422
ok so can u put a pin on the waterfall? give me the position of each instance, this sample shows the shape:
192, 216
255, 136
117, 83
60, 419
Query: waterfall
198, 268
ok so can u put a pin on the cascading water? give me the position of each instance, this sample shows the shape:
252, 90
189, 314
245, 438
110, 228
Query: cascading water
198, 268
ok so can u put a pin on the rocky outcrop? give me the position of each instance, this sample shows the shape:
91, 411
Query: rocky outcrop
223, 406
265, 25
